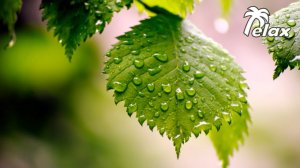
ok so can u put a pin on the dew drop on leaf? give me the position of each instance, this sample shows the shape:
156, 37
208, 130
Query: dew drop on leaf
186, 66
141, 119
192, 117
151, 87
188, 105
200, 114
138, 63
191, 92
117, 60
291, 23
156, 114
154, 71
179, 94
270, 39
119, 87
199, 75
137, 81
213, 67
135, 52
161, 57
164, 106
131, 109
166, 88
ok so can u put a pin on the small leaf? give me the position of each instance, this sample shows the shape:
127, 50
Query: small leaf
186, 83
8, 16
75, 21
285, 50
179, 7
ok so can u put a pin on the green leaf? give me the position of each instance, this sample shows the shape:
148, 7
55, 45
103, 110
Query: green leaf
285, 49
179, 7
8, 16
75, 21
175, 78
226, 6
230, 136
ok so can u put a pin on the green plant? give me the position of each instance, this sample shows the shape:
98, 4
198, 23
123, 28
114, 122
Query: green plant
165, 70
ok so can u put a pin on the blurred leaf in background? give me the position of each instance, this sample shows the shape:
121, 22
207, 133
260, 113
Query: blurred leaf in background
42, 97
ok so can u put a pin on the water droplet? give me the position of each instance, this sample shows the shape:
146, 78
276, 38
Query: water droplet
242, 98
161, 57
291, 34
151, 124
291, 23
243, 85
151, 87
137, 81
199, 75
119, 3
192, 117
131, 109
156, 114
221, 25
195, 101
287, 16
154, 71
236, 107
119, 87
117, 60
196, 131
164, 106
223, 68
127, 42
159, 94
191, 92
135, 52
272, 49
179, 94
194, 48
151, 104
270, 39
203, 125
138, 63
191, 81
217, 122
279, 47
203, 99
189, 39
227, 117
188, 105
200, 114
213, 67
228, 96
166, 88
186, 66
141, 94
210, 58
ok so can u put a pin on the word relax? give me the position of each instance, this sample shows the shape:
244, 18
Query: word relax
272, 32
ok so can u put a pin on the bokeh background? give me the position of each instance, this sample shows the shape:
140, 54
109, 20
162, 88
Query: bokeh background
56, 114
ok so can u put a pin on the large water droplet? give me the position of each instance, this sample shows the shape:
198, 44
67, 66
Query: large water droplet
186, 66
161, 57
135, 52
138, 63
117, 60
154, 71
191, 81
119, 87
179, 94
166, 88
188, 105
199, 75
131, 109
151, 87
291, 23
137, 81
191, 92
164, 106
291, 34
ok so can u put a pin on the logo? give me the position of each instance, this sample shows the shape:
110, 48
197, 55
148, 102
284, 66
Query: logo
263, 29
